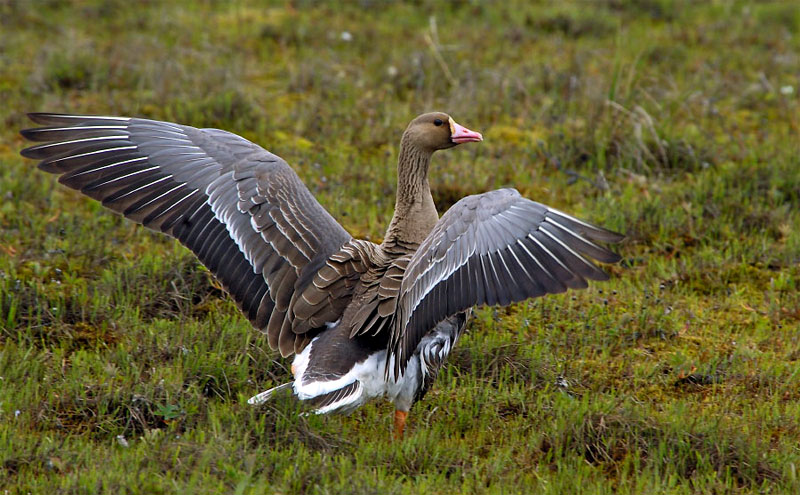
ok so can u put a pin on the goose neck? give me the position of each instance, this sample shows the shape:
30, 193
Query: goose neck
415, 213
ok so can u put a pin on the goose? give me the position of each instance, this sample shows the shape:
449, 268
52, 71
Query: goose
363, 320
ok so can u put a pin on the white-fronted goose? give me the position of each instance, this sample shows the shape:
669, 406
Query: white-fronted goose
364, 320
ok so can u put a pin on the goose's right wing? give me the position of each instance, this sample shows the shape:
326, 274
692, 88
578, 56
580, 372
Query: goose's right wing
493, 248
241, 209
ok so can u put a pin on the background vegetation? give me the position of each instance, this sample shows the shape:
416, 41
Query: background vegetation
125, 369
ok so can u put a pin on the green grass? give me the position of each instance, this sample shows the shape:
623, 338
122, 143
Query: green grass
125, 369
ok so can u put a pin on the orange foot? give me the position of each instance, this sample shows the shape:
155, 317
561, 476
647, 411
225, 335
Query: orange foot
399, 423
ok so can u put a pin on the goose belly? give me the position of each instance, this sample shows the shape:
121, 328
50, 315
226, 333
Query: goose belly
337, 374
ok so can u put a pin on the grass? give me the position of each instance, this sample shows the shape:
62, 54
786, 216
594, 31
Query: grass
125, 369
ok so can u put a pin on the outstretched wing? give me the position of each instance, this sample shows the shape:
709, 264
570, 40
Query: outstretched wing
241, 209
493, 248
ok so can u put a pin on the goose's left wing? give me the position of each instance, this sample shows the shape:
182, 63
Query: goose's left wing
493, 248
241, 209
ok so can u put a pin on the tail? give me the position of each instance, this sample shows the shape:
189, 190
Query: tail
267, 394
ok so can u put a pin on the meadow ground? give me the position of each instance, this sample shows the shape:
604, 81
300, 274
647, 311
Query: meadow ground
125, 369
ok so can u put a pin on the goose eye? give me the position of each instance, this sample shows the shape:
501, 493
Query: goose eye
438, 122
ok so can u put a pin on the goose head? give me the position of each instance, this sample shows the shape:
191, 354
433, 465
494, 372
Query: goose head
437, 131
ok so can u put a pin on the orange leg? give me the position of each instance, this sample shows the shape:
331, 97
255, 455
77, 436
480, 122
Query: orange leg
399, 423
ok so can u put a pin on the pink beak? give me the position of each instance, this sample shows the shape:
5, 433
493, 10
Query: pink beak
460, 134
